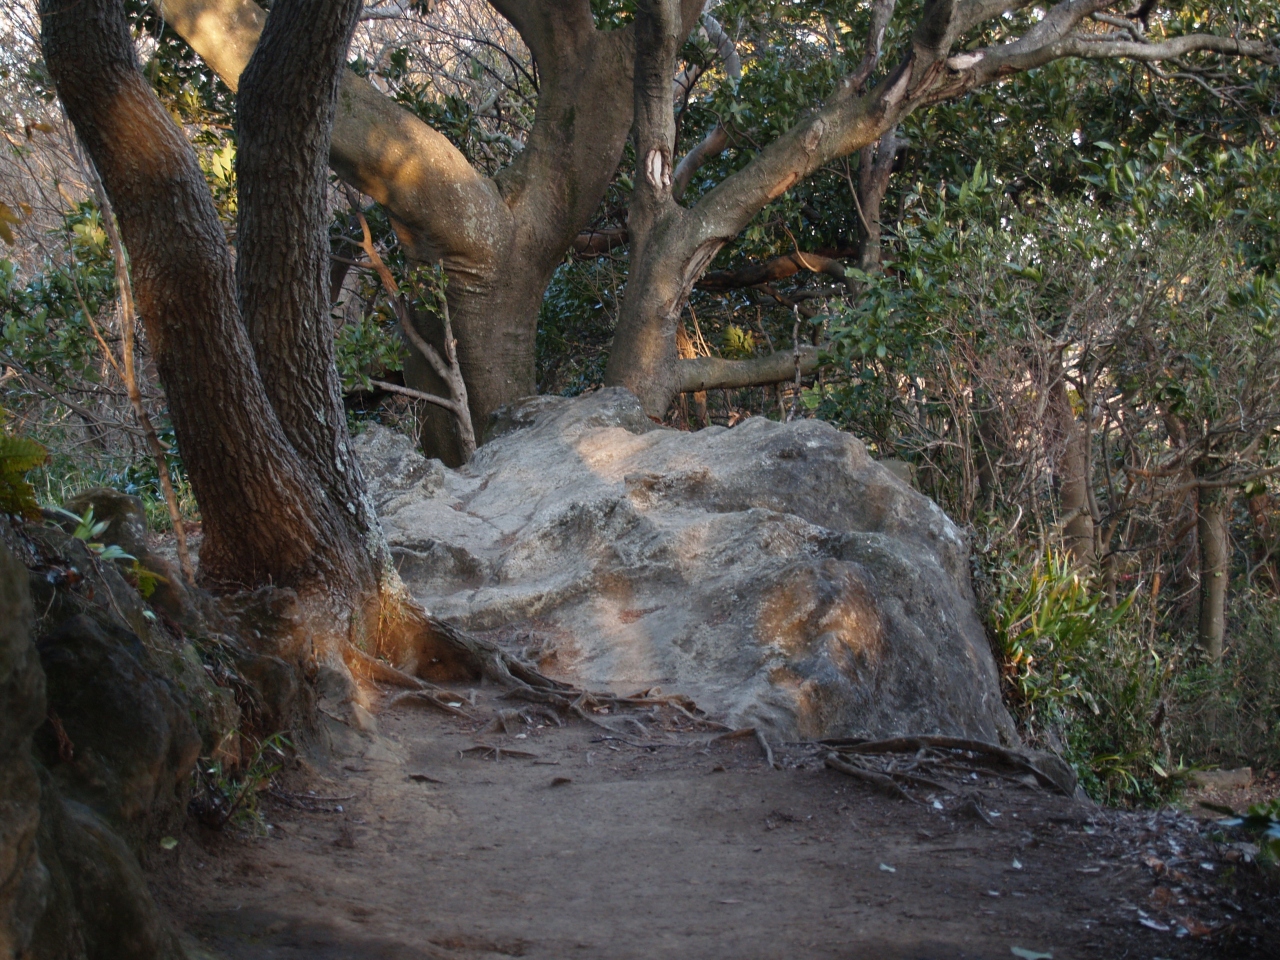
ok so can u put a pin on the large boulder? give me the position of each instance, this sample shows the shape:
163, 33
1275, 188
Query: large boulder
774, 572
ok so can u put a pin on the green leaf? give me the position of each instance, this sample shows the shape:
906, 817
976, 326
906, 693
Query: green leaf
18, 455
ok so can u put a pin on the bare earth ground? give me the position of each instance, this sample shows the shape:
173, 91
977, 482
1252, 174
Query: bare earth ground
665, 844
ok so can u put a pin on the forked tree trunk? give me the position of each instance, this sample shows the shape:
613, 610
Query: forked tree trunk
266, 518
248, 374
1215, 560
500, 238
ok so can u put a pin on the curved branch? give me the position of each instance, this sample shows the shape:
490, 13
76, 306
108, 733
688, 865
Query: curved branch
379, 147
711, 145
546, 27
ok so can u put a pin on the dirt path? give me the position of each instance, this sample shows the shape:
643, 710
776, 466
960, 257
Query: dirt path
599, 848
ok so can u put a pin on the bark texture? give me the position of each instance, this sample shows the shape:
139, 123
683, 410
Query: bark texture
285, 113
266, 517
501, 238
249, 372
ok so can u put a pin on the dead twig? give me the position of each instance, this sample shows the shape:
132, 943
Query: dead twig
489, 751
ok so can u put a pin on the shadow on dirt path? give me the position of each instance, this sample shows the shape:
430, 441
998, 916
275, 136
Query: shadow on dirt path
594, 846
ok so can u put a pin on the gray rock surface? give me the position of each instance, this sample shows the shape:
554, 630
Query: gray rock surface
24, 879
773, 572
70, 887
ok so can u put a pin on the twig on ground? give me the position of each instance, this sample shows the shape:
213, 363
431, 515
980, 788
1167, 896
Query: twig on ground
488, 751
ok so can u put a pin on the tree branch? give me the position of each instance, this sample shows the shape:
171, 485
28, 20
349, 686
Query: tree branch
716, 373
596, 243
711, 145
546, 27
378, 146
416, 395
779, 268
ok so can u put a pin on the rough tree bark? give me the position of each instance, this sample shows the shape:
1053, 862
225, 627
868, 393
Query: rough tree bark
265, 519
248, 369
671, 246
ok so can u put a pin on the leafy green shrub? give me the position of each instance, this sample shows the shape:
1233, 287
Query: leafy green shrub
367, 349
18, 456
1082, 676
1229, 714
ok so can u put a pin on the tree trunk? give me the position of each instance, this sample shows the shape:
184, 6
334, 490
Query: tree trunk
281, 497
497, 353
1073, 471
284, 118
264, 518
499, 239
1215, 558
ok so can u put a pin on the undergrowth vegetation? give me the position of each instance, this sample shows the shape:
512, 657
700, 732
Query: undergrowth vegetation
1130, 703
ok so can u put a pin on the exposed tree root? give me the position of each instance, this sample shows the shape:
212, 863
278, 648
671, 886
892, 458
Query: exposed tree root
419, 691
758, 735
932, 750
875, 762
430, 698
884, 784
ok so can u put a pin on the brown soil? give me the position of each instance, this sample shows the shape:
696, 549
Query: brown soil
664, 844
